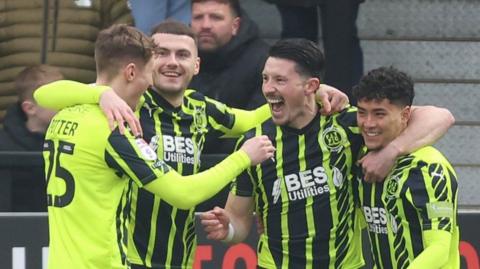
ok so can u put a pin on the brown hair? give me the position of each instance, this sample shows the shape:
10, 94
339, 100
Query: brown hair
174, 28
234, 5
119, 44
32, 77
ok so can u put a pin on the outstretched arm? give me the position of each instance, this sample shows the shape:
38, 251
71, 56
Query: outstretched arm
65, 93
331, 100
187, 191
426, 125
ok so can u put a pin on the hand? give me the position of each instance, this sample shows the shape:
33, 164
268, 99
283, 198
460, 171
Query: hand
377, 164
117, 110
258, 149
215, 223
332, 99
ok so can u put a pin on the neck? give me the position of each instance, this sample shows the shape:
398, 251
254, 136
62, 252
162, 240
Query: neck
308, 114
174, 98
122, 89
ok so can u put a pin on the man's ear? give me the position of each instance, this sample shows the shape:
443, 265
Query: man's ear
311, 85
405, 114
28, 107
130, 72
236, 25
197, 65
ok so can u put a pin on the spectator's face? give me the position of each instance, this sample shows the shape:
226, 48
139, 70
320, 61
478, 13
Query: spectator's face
176, 62
44, 115
214, 24
287, 93
380, 121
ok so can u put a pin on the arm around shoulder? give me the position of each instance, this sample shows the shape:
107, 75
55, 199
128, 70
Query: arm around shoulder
65, 93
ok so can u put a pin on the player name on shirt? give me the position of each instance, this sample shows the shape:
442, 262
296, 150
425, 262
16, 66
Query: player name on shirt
63, 127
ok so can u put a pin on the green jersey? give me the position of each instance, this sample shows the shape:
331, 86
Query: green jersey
419, 195
161, 235
87, 167
305, 197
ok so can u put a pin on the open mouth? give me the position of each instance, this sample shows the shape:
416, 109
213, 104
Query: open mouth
275, 102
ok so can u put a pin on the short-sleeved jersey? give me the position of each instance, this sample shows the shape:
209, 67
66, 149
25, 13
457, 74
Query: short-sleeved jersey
419, 194
87, 169
305, 197
162, 236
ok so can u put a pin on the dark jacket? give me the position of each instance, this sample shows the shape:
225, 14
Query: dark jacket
301, 3
60, 33
233, 74
25, 185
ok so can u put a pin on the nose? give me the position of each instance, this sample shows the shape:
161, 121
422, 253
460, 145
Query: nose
369, 121
206, 23
267, 86
172, 60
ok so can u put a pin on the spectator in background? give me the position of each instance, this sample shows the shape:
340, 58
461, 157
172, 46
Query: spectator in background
232, 57
23, 130
148, 13
61, 34
343, 54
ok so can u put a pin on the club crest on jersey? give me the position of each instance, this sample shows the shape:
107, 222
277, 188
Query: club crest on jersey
333, 138
199, 119
392, 187
147, 152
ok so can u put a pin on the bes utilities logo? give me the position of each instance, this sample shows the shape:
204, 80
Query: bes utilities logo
176, 149
304, 184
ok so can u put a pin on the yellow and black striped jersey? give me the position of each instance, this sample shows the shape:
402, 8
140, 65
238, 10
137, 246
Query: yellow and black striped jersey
87, 168
419, 195
304, 197
162, 236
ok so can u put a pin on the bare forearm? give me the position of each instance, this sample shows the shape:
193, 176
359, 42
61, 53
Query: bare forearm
426, 125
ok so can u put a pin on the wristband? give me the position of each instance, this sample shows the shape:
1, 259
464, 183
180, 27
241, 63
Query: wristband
230, 235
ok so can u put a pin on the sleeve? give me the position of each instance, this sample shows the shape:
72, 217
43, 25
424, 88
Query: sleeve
134, 158
65, 93
243, 184
436, 252
232, 122
432, 191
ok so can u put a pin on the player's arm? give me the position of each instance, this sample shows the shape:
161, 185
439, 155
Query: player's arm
65, 93
436, 252
437, 213
232, 224
185, 192
331, 99
426, 125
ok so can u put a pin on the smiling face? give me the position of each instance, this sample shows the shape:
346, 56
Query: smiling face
290, 95
381, 121
175, 63
214, 24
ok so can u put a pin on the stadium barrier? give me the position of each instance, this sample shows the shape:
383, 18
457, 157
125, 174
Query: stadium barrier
24, 236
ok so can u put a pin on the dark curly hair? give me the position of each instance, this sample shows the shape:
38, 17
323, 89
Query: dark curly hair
385, 83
